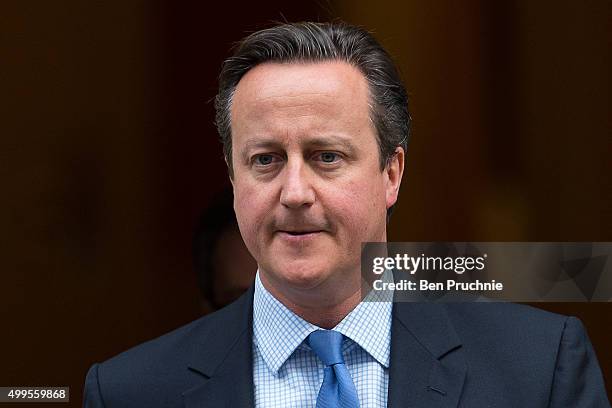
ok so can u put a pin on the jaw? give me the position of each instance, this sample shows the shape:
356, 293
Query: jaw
311, 279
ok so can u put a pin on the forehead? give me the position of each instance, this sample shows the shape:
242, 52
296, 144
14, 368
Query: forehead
330, 92
273, 79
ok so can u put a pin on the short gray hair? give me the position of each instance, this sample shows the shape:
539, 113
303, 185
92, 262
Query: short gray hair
312, 42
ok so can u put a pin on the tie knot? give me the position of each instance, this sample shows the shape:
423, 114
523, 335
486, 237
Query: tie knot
327, 344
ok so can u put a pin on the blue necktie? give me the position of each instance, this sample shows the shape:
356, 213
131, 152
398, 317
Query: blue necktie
338, 389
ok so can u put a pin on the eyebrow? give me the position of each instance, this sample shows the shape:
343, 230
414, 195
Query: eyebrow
331, 141
314, 142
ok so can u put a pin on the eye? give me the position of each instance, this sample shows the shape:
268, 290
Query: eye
264, 159
328, 157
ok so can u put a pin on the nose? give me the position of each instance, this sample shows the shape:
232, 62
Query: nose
297, 189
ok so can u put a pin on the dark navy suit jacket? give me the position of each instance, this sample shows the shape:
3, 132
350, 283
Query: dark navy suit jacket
442, 355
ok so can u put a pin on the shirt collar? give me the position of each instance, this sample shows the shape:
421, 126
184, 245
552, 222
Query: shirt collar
277, 331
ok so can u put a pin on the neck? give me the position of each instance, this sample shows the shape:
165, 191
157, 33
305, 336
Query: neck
316, 306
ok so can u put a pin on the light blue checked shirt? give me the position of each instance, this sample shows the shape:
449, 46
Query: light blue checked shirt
287, 373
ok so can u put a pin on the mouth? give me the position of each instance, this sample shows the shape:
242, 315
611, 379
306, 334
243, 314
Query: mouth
299, 233
298, 236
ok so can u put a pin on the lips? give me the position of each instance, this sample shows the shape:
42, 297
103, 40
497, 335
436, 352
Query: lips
299, 230
298, 237
298, 233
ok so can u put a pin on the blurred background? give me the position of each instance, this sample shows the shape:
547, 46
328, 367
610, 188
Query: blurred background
109, 155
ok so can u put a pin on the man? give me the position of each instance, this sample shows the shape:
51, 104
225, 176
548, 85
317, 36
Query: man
314, 122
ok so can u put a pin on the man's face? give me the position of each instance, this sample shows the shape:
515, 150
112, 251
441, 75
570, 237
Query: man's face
307, 181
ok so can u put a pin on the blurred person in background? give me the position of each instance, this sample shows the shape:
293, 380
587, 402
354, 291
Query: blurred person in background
225, 269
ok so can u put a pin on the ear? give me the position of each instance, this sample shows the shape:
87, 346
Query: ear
393, 176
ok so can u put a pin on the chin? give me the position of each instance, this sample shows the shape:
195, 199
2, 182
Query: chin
301, 274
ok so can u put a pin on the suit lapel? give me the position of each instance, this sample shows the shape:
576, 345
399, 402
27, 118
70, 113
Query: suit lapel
224, 359
427, 367
427, 363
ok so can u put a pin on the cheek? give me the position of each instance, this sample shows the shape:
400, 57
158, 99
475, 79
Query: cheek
251, 206
360, 209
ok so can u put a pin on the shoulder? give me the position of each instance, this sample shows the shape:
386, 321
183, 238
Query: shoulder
504, 316
519, 340
530, 350
159, 368
175, 347
170, 347
508, 324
